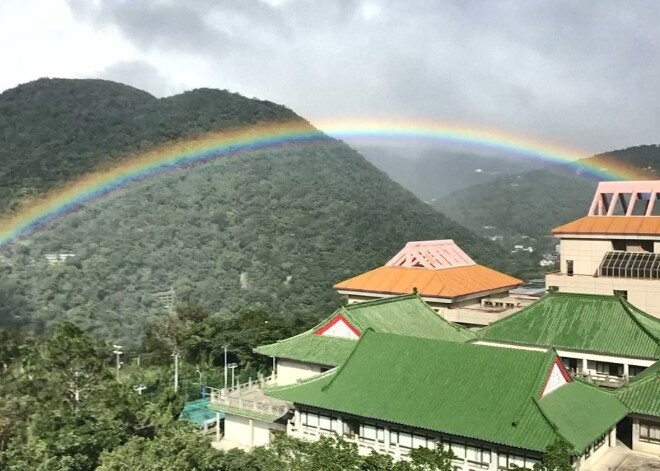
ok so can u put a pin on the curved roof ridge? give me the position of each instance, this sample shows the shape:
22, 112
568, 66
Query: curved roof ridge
633, 312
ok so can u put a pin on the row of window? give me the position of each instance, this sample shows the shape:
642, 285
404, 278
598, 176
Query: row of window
410, 441
649, 431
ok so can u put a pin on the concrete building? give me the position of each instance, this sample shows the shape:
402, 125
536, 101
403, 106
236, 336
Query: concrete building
615, 249
330, 342
445, 277
500, 407
604, 339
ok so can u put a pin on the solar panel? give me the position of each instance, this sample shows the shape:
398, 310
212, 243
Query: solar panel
630, 265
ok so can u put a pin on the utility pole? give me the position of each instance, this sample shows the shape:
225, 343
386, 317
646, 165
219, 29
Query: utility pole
176, 369
225, 347
118, 353
233, 366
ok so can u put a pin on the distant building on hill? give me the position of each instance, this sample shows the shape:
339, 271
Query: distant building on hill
615, 249
58, 258
445, 277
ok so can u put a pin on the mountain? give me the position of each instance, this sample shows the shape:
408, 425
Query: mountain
272, 229
435, 172
530, 204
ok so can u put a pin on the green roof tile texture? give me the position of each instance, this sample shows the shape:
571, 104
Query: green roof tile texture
310, 348
580, 425
458, 388
405, 315
601, 324
642, 393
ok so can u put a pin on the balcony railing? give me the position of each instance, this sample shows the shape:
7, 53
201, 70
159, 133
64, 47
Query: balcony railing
603, 380
251, 398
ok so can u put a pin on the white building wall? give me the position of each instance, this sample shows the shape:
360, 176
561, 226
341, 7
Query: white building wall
237, 430
585, 253
642, 445
289, 371
249, 433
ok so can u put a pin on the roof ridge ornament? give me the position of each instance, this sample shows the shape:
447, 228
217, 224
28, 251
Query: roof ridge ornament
432, 254
630, 194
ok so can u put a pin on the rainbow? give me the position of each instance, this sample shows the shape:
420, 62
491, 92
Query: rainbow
102, 182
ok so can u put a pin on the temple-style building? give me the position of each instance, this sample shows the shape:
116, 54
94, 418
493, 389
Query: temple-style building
445, 277
615, 249
493, 407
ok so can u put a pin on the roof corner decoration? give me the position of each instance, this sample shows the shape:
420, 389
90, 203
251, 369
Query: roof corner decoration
630, 194
433, 254
339, 327
557, 377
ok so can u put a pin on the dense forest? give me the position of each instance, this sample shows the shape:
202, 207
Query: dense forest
273, 229
533, 203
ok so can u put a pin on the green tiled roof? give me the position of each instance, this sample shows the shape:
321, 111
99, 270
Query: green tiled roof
463, 389
642, 393
601, 324
406, 315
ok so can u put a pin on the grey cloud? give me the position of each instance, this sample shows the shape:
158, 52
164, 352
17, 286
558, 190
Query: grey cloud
582, 72
140, 75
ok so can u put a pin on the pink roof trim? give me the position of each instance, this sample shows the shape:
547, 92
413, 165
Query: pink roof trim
433, 254
628, 194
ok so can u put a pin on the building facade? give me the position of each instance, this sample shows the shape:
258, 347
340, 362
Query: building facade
602, 338
615, 249
488, 419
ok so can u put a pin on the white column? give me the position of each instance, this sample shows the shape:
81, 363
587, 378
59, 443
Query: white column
217, 426
493, 460
626, 370
584, 366
387, 438
251, 424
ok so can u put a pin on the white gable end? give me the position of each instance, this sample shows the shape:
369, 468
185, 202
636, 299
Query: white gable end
340, 329
555, 381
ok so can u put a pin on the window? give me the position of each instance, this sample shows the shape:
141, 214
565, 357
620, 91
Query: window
310, 420
630, 265
457, 448
649, 431
634, 370
600, 442
371, 432
505, 461
478, 454
609, 369
569, 267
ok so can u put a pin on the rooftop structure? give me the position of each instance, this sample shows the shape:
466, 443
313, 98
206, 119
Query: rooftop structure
445, 277
607, 325
504, 399
331, 341
615, 249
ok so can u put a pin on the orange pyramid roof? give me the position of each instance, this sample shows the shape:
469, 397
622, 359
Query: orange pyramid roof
443, 283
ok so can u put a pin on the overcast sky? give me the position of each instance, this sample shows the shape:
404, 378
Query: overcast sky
584, 73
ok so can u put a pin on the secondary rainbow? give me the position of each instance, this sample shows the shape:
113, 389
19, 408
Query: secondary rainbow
104, 181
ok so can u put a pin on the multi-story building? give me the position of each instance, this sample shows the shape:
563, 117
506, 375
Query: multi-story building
602, 338
493, 407
445, 277
615, 249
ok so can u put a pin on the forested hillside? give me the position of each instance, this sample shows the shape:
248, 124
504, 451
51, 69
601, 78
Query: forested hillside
532, 203
272, 230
